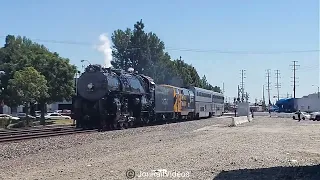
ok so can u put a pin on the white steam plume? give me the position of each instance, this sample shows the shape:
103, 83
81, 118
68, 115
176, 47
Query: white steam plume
105, 48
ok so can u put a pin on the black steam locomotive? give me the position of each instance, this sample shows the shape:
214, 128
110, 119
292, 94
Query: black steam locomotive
112, 98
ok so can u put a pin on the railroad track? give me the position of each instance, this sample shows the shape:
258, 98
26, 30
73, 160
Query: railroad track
17, 135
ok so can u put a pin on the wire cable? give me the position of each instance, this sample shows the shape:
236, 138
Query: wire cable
180, 49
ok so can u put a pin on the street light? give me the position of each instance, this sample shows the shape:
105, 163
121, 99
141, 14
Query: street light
84, 60
76, 80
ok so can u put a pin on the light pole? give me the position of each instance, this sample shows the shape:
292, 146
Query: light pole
317, 89
76, 80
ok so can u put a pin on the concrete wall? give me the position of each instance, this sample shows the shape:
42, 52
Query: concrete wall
243, 109
274, 114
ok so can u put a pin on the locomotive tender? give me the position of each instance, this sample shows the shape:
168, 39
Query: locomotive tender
112, 98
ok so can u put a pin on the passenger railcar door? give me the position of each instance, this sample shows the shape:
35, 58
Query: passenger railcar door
177, 105
184, 102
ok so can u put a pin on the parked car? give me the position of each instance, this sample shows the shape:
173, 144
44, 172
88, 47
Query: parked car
303, 115
24, 115
56, 116
58, 111
66, 112
38, 114
7, 116
316, 117
313, 115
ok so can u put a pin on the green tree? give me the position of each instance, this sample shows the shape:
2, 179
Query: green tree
121, 49
28, 86
19, 52
145, 52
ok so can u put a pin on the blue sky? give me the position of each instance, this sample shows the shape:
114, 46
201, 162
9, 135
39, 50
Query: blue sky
231, 25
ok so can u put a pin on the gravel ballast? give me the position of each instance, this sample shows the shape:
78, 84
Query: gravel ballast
203, 149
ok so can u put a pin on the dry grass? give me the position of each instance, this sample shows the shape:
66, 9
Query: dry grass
60, 122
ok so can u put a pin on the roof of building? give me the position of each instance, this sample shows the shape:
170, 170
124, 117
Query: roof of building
311, 95
285, 100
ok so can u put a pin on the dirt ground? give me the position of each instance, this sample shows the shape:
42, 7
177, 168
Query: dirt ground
266, 148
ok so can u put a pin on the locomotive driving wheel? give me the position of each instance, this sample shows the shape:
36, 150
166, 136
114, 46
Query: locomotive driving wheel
126, 125
131, 124
114, 125
146, 120
121, 125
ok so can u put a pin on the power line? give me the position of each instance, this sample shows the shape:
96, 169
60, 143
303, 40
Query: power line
178, 49
277, 83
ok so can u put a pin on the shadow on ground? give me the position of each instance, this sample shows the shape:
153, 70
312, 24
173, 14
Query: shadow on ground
273, 173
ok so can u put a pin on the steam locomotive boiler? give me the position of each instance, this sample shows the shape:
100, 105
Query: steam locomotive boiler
112, 98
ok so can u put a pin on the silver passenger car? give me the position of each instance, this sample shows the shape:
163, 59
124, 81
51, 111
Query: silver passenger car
207, 103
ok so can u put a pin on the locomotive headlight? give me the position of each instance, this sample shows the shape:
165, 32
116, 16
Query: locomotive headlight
90, 86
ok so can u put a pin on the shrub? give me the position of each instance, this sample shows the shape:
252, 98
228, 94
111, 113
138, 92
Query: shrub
4, 122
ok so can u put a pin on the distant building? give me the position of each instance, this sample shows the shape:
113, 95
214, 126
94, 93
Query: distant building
309, 103
8, 110
286, 105
60, 106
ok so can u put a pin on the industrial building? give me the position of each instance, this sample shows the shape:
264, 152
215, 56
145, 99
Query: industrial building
309, 103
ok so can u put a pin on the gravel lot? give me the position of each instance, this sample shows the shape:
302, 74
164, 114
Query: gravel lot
203, 149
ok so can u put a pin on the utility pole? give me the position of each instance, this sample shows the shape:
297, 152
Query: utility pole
277, 84
268, 85
238, 99
222, 88
242, 84
263, 98
294, 77
247, 97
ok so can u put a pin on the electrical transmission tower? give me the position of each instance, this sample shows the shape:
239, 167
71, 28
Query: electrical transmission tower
268, 86
294, 66
278, 85
242, 85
